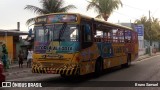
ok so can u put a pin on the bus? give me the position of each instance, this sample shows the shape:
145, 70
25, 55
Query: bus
72, 44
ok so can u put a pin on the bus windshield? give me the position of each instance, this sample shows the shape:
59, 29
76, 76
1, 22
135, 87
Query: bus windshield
57, 32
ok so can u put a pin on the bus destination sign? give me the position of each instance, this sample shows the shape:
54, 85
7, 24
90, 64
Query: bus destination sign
41, 20
60, 18
56, 18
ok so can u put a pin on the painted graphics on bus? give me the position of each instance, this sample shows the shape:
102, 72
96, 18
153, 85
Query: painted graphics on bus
56, 47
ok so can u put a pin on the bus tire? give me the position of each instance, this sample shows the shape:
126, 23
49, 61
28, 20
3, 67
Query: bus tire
99, 67
128, 61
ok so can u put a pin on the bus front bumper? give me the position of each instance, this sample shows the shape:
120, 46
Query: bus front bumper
61, 70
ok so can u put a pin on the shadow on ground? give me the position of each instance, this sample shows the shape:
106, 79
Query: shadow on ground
80, 81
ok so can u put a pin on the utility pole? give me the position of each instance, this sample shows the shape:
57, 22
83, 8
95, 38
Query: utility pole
150, 39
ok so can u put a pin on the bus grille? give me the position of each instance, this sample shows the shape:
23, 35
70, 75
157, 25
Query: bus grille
55, 65
59, 70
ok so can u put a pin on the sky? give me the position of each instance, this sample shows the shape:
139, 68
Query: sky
12, 11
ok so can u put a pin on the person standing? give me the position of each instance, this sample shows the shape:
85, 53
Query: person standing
5, 56
20, 59
29, 58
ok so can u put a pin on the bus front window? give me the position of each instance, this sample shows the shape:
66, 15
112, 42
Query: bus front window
41, 35
65, 33
57, 32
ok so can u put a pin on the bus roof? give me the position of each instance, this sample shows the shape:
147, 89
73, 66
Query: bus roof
105, 22
95, 19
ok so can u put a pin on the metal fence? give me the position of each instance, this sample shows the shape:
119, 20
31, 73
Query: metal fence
155, 47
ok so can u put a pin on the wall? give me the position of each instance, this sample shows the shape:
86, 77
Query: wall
18, 47
155, 45
142, 49
9, 44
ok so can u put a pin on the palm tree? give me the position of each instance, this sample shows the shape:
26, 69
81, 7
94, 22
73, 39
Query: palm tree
104, 8
48, 6
151, 27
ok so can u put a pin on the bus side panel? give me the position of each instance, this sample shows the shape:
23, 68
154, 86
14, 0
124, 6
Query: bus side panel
106, 50
119, 57
111, 58
88, 58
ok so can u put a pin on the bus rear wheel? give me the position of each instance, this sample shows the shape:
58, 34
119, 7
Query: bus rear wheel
128, 61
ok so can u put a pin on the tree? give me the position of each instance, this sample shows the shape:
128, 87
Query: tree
151, 28
104, 8
48, 6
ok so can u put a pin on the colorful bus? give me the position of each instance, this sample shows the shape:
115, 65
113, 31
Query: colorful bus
73, 44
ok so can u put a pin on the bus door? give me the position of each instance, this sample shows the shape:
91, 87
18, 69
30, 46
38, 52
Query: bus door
86, 34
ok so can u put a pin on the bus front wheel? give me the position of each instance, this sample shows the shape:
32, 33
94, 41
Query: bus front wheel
128, 61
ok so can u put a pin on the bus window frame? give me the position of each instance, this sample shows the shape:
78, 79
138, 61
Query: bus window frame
41, 27
128, 38
84, 43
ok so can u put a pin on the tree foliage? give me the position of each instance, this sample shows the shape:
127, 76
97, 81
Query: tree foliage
104, 8
48, 6
151, 28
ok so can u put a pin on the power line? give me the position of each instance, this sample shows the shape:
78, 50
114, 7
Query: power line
155, 12
136, 8
142, 9
125, 15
